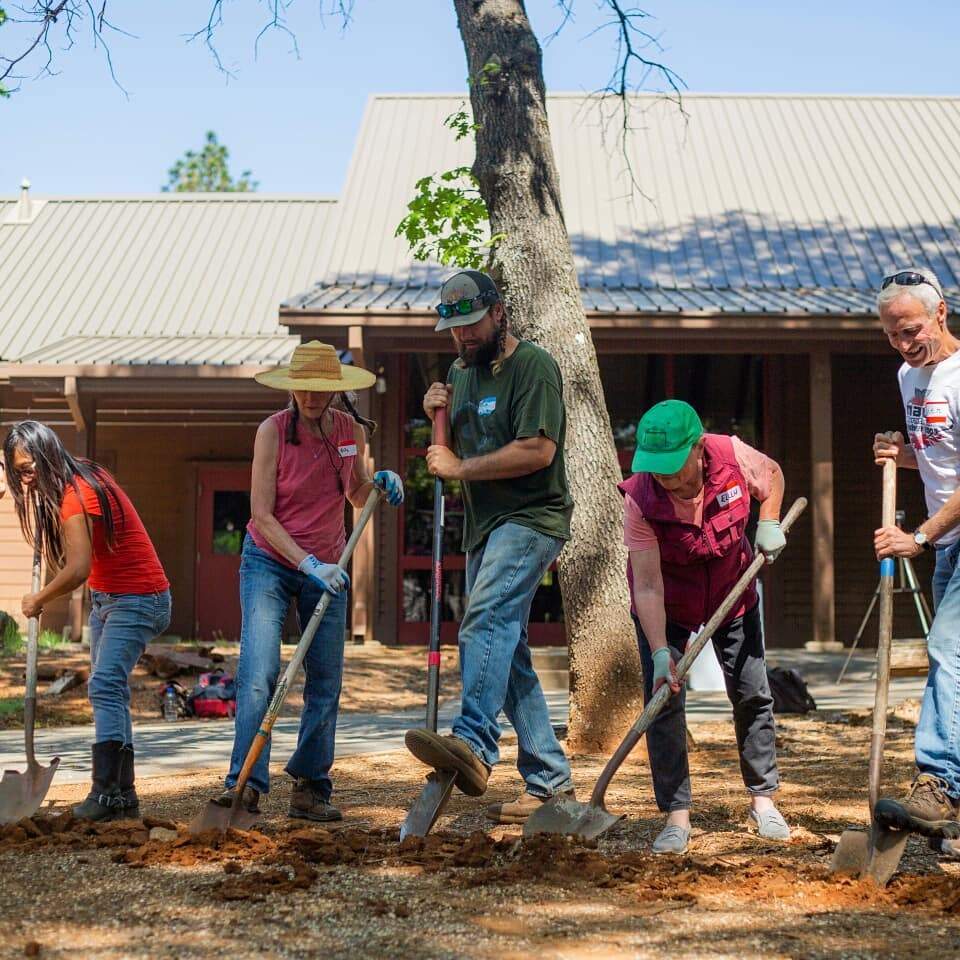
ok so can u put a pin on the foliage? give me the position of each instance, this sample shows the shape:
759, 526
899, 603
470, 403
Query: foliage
4, 92
11, 707
10, 640
50, 640
207, 172
448, 220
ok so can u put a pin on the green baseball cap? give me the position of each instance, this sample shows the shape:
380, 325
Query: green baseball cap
665, 435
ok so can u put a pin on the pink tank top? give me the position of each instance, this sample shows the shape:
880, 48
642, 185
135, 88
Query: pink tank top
309, 503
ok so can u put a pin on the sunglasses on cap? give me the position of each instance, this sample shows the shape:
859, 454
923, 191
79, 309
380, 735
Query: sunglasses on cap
908, 278
466, 305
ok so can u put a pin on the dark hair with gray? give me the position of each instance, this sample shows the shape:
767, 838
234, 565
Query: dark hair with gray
55, 469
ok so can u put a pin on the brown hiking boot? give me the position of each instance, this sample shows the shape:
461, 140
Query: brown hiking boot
307, 803
450, 753
517, 811
250, 801
927, 809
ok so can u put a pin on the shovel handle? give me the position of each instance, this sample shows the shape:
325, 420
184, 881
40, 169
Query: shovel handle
33, 632
657, 701
439, 438
887, 570
283, 687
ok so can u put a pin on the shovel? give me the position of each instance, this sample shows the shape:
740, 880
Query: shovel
435, 793
21, 794
216, 817
876, 854
588, 820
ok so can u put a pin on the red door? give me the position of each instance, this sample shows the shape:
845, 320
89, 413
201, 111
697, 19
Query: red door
223, 509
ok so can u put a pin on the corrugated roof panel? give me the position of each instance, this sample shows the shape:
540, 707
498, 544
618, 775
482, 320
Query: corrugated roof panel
166, 265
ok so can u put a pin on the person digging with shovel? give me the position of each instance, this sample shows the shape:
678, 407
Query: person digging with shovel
913, 314
91, 532
686, 509
308, 460
507, 426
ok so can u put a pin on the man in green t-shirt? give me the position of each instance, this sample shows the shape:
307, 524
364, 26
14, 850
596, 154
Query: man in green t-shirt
508, 424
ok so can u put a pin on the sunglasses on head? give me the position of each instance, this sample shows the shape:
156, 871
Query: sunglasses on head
908, 278
466, 305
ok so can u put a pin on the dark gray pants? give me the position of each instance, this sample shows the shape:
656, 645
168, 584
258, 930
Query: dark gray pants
739, 649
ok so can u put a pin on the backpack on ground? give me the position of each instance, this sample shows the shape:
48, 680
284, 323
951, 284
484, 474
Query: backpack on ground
789, 691
215, 695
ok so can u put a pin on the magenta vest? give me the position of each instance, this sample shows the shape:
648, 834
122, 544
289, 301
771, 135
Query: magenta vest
700, 564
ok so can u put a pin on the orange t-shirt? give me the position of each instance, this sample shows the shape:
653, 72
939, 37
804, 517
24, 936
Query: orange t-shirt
132, 566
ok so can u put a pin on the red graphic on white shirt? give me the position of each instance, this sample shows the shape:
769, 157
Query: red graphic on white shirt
928, 420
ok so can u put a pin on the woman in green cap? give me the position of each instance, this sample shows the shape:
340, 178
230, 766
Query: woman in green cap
686, 509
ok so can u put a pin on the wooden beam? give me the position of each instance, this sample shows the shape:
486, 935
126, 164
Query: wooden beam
73, 403
363, 555
821, 495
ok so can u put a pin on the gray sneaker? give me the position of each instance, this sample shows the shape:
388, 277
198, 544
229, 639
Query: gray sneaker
769, 825
672, 839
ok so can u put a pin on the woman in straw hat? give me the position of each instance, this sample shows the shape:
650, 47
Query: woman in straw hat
307, 460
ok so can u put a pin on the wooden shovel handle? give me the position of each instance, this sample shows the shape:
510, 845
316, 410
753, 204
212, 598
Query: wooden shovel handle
887, 570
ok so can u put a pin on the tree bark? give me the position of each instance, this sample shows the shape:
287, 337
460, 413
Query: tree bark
534, 263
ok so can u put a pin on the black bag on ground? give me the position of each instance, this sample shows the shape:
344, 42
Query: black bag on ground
789, 691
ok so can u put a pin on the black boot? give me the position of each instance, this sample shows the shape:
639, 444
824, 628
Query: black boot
105, 801
131, 802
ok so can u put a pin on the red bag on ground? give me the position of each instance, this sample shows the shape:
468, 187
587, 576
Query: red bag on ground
215, 695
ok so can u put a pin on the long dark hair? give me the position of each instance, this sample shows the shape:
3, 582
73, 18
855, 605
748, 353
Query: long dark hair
342, 399
56, 469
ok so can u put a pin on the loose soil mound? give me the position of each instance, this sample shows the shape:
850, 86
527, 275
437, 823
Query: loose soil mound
257, 864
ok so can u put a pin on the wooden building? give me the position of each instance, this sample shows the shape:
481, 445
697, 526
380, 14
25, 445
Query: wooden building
739, 274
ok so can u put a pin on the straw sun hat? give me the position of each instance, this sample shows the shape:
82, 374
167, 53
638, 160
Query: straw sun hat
315, 366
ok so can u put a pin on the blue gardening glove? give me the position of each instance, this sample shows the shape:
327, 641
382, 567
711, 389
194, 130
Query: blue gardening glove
327, 575
770, 539
391, 485
663, 669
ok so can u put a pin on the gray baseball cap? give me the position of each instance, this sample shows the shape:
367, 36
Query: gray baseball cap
470, 291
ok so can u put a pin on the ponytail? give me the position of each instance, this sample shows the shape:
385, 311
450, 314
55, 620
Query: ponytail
369, 425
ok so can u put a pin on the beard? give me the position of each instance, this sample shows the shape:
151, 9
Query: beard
481, 354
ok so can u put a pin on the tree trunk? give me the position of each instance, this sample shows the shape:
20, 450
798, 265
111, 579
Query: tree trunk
518, 181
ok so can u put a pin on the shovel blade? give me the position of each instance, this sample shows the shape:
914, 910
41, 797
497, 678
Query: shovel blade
563, 815
876, 854
21, 794
216, 817
429, 805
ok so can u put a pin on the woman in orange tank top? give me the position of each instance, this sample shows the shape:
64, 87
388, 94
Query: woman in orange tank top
308, 461
91, 533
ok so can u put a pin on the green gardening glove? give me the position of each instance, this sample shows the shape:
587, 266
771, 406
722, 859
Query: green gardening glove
662, 668
770, 539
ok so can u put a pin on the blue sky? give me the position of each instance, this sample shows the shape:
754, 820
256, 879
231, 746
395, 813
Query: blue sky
293, 122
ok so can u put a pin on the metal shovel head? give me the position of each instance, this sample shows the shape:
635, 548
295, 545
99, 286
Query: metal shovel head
429, 805
214, 816
875, 854
21, 794
564, 815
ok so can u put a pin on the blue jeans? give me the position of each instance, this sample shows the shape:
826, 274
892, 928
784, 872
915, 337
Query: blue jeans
503, 574
937, 742
121, 626
266, 589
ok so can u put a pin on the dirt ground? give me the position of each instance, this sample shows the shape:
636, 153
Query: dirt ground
375, 679
295, 890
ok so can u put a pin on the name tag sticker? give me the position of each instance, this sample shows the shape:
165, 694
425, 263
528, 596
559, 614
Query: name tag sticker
348, 450
935, 411
729, 494
486, 406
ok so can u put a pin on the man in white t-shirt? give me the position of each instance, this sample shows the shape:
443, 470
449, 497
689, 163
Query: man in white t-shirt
914, 318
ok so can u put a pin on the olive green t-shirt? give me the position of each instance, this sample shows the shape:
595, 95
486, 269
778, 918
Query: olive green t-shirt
523, 399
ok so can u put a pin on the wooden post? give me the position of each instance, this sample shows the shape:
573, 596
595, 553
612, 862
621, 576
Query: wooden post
363, 556
821, 487
83, 409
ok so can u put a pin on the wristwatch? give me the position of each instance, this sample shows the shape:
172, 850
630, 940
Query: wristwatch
920, 539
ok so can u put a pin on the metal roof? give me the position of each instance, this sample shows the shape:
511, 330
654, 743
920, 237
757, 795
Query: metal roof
167, 278
749, 204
